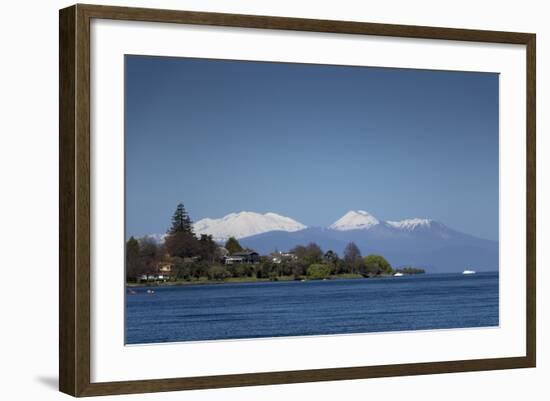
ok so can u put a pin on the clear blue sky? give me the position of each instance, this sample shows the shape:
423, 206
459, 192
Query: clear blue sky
309, 142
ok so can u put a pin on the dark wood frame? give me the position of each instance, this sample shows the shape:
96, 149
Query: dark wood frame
74, 199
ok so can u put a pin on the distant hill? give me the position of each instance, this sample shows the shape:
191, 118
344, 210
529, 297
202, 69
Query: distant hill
423, 243
414, 242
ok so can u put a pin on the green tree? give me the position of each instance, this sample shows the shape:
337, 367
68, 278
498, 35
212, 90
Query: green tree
181, 222
267, 269
207, 248
181, 240
134, 267
199, 269
150, 254
182, 244
376, 264
233, 246
309, 254
352, 258
318, 271
182, 269
330, 256
217, 272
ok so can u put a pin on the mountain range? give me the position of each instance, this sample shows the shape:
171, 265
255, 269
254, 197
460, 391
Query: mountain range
416, 242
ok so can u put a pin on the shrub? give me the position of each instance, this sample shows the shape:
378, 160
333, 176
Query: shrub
318, 271
376, 264
217, 272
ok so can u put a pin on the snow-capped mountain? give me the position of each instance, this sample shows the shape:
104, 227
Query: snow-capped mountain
355, 220
410, 224
411, 242
245, 224
362, 220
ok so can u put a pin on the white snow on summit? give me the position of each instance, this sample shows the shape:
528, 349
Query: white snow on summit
410, 224
362, 220
355, 220
245, 224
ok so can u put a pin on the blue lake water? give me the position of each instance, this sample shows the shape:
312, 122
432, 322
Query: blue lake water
273, 309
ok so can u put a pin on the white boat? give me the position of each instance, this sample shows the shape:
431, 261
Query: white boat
398, 274
469, 271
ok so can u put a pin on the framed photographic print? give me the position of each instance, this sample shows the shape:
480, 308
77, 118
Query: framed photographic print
250, 200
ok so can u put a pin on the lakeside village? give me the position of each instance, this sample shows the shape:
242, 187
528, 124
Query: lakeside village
186, 258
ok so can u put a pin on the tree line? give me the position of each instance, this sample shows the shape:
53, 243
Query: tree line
200, 258
180, 248
312, 262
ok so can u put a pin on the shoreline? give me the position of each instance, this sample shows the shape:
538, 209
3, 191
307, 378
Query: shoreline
257, 280
280, 279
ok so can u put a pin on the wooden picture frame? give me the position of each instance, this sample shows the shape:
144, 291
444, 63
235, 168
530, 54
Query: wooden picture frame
74, 204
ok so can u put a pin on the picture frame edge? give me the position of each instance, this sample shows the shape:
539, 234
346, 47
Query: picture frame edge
74, 199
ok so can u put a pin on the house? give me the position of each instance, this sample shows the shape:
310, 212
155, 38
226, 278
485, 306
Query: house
153, 277
231, 260
162, 271
248, 257
280, 257
289, 255
165, 268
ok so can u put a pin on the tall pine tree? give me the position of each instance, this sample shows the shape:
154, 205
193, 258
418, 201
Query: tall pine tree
181, 222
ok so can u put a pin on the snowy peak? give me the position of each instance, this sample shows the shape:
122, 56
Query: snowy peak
355, 220
245, 224
410, 224
362, 220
